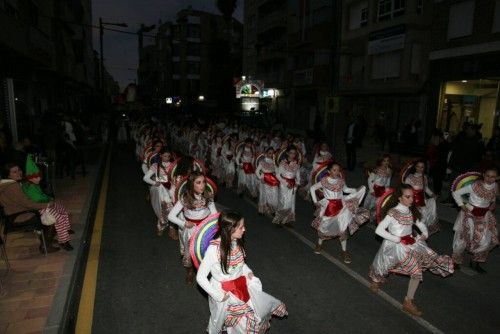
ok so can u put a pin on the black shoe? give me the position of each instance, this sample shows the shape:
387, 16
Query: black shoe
66, 246
477, 267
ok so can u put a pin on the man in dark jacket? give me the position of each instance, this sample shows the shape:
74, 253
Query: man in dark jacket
351, 138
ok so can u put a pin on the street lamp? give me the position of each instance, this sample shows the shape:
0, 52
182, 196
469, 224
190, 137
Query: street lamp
101, 34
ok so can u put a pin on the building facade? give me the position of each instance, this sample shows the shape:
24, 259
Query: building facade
193, 59
47, 62
464, 65
383, 71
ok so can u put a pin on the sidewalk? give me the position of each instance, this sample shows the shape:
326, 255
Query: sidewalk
36, 288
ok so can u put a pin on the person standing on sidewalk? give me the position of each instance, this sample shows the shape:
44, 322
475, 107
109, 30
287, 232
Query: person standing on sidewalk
476, 226
403, 251
339, 215
189, 211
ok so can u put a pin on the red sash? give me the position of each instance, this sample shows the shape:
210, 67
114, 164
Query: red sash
248, 168
196, 222
479, 212
291, 182
333, 208
166, 184
407, 240
418, 197
271, 179
378, 190
237, 287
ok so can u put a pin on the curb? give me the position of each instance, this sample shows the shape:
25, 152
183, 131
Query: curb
62, 317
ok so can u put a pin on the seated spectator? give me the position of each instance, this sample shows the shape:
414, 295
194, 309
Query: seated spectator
57, 211
15, 201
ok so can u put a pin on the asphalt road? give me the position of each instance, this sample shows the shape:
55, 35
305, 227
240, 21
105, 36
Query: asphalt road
141, 289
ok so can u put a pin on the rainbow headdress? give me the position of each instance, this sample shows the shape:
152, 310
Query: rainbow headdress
464, 180
202, 235
382, 202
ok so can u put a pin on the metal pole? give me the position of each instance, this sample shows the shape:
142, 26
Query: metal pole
101, 63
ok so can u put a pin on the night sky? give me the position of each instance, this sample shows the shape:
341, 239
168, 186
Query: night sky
120, 50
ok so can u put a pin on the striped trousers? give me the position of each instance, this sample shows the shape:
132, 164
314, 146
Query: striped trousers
62, 224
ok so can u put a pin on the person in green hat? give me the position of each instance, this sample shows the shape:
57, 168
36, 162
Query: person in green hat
56, 212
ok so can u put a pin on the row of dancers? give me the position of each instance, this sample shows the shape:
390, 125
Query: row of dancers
275, 183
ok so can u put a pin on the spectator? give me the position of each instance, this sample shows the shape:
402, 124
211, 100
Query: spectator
467, 150
494, 144
14, 201
351, 138
437, 154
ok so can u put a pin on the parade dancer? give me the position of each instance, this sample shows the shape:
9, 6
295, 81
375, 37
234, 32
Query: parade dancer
269, 184
236, 300
246, 169
161, 201
339, 215
403, 251
427, 206
189, 211
151, 156
228, 159
289, 176
475, 227
55, 210
321, 158
378, 181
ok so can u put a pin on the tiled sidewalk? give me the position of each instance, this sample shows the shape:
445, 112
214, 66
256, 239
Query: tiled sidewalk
30, 286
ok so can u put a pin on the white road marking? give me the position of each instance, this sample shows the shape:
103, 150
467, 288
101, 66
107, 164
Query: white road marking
360, 279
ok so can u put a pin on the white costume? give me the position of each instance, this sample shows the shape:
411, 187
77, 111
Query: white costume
378, 181
159, 193
228, 159
246, 171
405, 259
268, 186
426, 206
248, 309
476, 228
289, 176
338, 213
180, 214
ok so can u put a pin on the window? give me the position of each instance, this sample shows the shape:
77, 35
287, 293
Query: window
175, 50
461, 19
386, 65
176, 32
420, 6
496, 18
193, 49
193, 67
416, 58
358, 15
177, 68
387, 9
193, 31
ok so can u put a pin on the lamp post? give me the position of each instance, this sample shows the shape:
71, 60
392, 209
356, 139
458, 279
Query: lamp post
101, 34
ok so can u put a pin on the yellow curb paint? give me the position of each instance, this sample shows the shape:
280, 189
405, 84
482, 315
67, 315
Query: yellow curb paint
86, 307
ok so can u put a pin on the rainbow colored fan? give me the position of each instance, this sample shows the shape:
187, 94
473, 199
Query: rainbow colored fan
203, 234
321, 172
382, 202
405, 171
465, 180
259, 158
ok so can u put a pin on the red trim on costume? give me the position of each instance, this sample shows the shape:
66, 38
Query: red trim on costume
291, 182
33, 176
479, 212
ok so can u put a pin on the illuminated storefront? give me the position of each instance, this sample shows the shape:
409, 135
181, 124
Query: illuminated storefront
473, 101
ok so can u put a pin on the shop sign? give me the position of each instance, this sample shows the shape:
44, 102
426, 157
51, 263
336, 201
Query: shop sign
386, 40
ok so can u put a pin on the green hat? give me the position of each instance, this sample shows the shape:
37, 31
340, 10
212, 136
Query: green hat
32, 170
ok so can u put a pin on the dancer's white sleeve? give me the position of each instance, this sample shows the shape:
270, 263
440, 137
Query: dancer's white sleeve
382, 230
208, 261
